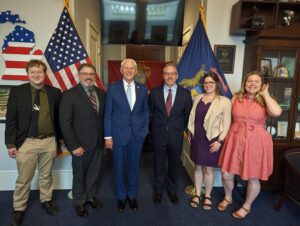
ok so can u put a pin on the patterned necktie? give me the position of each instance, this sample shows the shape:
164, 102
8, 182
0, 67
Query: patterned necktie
92, 97
34, 128
128, 94
169, 102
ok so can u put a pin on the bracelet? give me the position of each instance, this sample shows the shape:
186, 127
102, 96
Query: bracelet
220, 141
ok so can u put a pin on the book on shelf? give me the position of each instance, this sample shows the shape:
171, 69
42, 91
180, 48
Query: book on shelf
289, 63
282, 127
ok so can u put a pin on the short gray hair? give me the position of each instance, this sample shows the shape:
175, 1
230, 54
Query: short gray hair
128, 60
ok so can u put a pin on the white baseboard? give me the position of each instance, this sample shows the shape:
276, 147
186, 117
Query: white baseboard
62, 180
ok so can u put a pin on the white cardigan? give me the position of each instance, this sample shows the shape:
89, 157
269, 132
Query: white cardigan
217, 120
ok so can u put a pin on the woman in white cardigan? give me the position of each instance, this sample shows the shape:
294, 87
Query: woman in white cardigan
208, 125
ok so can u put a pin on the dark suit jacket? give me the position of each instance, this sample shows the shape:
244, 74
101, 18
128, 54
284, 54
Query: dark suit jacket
120, 122
19, 110
173, 126
80, 123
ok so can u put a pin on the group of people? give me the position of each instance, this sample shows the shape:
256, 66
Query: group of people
39, 118
232, 136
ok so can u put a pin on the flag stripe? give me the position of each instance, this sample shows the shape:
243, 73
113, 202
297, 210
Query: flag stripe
15, 77
60, 81
17, 50
15, 71
15, 64
70, 76
65, 78
21, 57
21, 44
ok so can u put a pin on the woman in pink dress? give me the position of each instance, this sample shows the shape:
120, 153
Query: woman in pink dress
248, 148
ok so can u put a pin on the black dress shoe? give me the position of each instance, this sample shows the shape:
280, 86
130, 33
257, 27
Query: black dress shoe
133, 204
16, 218
94, 203
81, 211
173, 198
121, 205
49, 207
157, 199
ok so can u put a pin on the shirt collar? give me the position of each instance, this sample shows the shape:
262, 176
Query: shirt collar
34, 89
132, 84
173, 88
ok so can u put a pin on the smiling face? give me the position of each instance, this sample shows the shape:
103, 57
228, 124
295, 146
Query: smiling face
209, 85
170, 75
128, 70
253, 84
87, 76
36, 75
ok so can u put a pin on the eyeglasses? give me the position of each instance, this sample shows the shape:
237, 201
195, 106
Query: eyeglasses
171, 73
85, 74
208, 83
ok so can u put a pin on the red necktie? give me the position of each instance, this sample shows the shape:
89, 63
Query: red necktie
93, 98
169, 102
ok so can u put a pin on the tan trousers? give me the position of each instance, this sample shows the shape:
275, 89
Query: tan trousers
34, 152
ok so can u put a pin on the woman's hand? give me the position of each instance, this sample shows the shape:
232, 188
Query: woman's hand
265, 90
214, 147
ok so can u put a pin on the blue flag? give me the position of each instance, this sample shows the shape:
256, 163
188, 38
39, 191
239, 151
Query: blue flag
197, 59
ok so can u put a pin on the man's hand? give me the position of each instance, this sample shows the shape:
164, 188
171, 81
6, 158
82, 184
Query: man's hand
109, 143
78, 152
12, 152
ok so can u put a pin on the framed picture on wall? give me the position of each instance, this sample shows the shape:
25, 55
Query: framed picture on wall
4, 93
225, 55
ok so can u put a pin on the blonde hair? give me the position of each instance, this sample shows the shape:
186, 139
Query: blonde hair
240, 95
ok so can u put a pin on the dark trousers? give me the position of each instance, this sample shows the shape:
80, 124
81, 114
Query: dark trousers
127, 157
86, 170
162, 152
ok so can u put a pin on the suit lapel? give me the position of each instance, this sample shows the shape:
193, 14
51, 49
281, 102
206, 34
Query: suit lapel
162, 102
100, 101
123, 94
176, 100
28, 98
50, 102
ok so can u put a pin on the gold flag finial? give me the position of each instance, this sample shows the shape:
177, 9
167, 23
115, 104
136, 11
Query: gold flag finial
66, 3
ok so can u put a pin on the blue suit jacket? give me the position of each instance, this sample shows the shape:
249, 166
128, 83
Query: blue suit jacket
120, 122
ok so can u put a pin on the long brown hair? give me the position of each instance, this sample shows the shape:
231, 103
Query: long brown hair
240, 95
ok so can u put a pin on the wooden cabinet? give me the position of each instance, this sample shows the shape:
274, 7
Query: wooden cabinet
249, 16
276, 53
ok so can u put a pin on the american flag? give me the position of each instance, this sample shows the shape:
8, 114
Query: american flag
65, 53
16, 52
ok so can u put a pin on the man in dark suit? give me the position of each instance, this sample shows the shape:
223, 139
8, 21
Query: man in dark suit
126, 122
81, 121
170, 107
31, 128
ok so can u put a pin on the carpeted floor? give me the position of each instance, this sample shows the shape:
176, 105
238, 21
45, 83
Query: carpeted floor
165, 214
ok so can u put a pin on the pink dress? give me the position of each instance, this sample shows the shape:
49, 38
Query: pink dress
248, 147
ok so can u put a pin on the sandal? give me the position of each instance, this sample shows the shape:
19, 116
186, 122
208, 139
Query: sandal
237, 215
193, 203
207, 206
222, 206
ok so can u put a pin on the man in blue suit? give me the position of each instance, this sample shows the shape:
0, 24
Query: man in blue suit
126, 122
170, 107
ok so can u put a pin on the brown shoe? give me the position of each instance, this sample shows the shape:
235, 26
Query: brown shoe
222, 206
237, 215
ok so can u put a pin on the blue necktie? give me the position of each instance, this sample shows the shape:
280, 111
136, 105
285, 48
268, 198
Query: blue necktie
128, 94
